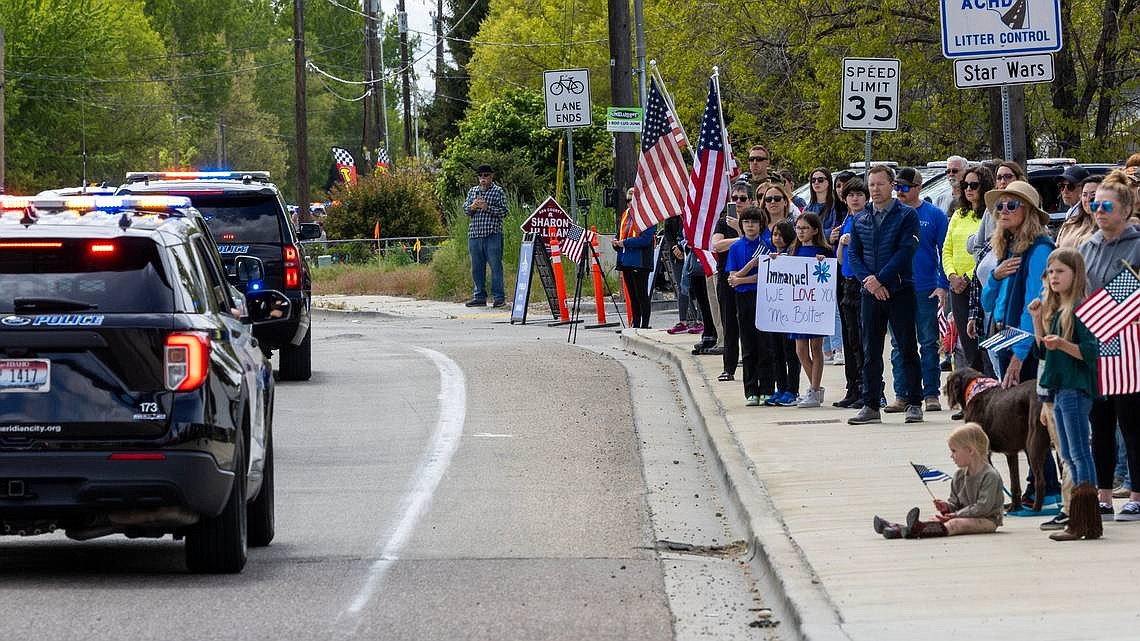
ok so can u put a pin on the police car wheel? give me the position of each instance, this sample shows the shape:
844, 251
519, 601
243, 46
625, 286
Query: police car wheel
296, 360
218, 545
260, 513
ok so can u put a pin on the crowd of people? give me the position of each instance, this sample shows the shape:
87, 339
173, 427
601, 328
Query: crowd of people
982, 259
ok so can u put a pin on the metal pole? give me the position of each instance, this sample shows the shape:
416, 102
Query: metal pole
1007, 139
639, 30
570, 163
866, 154
382, 87
406, 68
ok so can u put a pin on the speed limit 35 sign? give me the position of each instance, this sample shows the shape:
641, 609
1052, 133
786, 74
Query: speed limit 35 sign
870, 94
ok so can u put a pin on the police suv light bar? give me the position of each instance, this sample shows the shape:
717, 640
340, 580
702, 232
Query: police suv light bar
169, 205
246, 176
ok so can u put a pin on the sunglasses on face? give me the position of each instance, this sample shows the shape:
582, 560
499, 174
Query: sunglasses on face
819, 179
1101, 205
773, 199
484, 175
757, 158
1005, 177
1068, 186
1007, 206
902, 189
740, 199
973, 184
953, 171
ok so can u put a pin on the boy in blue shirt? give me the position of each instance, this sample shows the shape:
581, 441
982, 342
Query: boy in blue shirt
759, 383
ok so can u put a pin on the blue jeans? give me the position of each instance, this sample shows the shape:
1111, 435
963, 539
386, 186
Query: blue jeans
1071, 410
488, 249
1122, 459
926, 324
898, 314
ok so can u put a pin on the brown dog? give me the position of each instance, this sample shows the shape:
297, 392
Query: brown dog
1011, 419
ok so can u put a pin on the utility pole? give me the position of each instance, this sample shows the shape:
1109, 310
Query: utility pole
221, 142
639, 30
371, 103
402, 18
383, 90
3, 158
368, 135
438, 42
300, 113
621, 92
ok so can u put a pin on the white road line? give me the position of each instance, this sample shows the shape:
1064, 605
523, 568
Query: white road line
452, 413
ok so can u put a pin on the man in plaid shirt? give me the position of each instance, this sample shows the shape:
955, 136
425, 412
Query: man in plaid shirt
486, 206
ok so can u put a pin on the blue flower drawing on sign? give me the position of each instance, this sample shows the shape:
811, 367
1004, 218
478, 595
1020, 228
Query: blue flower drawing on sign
822, 272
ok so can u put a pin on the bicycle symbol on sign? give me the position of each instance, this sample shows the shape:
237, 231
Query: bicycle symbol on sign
567, 83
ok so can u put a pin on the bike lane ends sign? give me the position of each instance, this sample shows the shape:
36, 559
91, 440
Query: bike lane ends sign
567, 98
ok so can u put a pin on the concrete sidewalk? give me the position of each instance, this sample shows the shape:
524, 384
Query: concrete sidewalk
809, 484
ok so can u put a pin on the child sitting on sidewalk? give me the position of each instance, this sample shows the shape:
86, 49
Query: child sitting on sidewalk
975, 502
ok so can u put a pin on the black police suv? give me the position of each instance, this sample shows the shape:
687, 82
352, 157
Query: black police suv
134, 398
247, 216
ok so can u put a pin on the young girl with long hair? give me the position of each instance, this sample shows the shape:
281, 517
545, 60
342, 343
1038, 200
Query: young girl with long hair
1068, 351
810, 242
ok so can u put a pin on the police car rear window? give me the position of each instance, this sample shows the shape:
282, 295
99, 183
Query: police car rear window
242, 219
117, 275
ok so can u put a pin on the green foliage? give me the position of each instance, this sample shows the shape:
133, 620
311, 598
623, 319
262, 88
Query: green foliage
402, 202
509, 133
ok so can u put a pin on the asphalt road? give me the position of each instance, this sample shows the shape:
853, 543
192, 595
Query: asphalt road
437, 479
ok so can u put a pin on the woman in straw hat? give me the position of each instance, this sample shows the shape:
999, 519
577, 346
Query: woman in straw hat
1021, 244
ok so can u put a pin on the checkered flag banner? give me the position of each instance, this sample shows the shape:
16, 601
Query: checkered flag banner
577, 237
383, 162
345, 165
1112, 307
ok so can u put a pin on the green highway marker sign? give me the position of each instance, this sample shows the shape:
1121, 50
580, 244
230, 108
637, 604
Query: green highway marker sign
624, 119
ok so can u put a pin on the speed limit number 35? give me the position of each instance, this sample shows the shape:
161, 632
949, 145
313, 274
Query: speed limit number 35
870, 94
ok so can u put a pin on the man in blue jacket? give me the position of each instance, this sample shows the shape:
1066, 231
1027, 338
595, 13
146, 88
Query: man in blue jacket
930, 286
883, 242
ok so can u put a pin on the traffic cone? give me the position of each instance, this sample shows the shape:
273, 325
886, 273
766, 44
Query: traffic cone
599, 284
559, 280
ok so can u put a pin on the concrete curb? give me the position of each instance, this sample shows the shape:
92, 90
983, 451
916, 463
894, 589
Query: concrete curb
799, 599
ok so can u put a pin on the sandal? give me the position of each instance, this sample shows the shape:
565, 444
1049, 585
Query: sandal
724, 376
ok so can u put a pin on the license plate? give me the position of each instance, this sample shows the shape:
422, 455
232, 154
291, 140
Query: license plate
30, 375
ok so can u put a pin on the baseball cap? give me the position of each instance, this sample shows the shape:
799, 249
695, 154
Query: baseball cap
1074, 174
908, 176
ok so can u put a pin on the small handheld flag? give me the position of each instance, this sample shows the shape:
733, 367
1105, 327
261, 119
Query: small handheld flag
929, 474
1111, 308
1004, 339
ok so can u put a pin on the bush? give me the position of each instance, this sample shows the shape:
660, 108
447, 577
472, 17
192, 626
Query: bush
402, 202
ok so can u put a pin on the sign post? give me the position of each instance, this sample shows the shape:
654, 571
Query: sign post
992, 33
870, 98
567, 94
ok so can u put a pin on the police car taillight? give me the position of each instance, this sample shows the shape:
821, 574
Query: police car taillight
31, 244
292, 267
186, 360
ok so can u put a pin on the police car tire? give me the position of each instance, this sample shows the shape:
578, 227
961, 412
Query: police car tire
260, 513
217, 545
297, 360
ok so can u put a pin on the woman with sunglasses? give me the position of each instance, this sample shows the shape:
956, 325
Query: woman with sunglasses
824, 204
959, 262
1080, 226
1112, 249
1021, 244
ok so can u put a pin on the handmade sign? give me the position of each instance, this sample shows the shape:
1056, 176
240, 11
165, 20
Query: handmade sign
796, 295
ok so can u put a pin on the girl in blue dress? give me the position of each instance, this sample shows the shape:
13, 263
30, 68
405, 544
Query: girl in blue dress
811, 242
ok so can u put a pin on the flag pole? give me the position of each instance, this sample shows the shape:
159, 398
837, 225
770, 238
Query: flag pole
656, 75
723, 129
1130, 268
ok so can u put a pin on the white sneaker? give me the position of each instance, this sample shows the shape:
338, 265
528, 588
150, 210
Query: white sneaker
810, 399
838, 358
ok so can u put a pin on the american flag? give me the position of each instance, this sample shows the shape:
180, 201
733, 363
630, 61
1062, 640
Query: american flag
1111, 307
576, 239
1118, 368
675, 129
1006, 338
761, 250
708, 182
344, 164
929, 474
659, 189
383, 162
